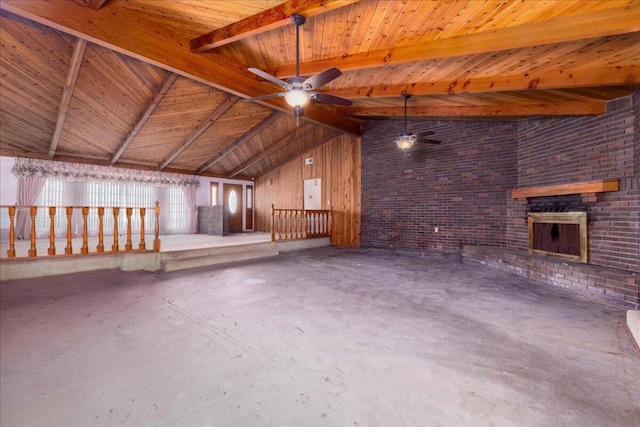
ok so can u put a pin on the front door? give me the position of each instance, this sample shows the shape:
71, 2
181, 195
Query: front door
233, 206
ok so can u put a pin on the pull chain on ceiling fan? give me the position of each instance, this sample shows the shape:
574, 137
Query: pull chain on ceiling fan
298, 90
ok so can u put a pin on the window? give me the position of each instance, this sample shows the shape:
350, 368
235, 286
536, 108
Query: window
51, 195
214, 193
177, 209
249, 197
233, 201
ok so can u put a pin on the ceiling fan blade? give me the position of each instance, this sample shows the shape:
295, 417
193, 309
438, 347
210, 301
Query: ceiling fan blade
426, 133
271, 78
321, 78
430, 141
331, 99
271, 95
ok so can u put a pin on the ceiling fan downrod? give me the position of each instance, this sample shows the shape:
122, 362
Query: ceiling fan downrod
298, 20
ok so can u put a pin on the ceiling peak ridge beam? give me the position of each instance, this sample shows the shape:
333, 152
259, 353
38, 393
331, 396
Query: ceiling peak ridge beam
502, 110
562, 79
155, 100
204, 125
270, 19
601, 23
331, 135
123, 31
267, 121
67, 93
273, 148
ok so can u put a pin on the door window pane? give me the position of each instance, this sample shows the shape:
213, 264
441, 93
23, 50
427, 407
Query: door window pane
233, 201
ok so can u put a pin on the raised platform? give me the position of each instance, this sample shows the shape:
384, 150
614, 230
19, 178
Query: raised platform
178, 252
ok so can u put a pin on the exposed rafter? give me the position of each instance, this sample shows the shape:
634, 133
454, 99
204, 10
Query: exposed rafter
204, 125
270, 19
601, 23
67, 93
124, 34
564, 79
161, 91
504, 110
277, 146
237, 143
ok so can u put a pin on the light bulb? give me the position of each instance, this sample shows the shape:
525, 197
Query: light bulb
297, 97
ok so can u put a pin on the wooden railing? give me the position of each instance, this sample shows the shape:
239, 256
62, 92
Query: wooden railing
299, 223
84, 210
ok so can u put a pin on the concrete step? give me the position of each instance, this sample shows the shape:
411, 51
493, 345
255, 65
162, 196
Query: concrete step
182, 260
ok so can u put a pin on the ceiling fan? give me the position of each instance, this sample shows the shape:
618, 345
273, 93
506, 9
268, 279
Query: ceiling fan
298, 89
406, 139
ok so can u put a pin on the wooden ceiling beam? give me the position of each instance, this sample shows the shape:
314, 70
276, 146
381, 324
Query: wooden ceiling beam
601, 23
123, 31
502, 110
277, 146
238, 142
204, 125
67, 93
276, 17
563, 79
318, 143
155, 100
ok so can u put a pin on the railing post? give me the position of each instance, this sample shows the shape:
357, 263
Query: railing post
273, 230
85, 248
156, 241
11, 252
100, 247
52, 232
115, 247
143, 211
69, 249
129, 245
33, 211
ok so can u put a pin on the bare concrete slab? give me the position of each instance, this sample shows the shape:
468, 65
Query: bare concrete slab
323, 336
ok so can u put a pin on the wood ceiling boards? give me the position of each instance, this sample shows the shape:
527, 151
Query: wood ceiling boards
159, 84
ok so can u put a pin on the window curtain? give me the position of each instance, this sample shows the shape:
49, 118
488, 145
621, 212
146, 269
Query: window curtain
192, 210
29, 188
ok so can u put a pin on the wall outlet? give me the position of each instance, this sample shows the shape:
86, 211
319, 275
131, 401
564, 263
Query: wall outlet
435, 230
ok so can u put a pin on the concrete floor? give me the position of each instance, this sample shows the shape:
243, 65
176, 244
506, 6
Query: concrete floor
317, 337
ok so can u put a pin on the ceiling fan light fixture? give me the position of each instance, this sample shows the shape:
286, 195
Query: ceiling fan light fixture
406, 141
297, 98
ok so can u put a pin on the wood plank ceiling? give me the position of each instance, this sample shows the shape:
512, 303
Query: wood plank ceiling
159, 85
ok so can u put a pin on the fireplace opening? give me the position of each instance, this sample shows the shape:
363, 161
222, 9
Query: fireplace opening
562, 234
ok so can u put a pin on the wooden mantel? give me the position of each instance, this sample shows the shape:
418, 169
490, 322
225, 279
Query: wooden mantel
599, 186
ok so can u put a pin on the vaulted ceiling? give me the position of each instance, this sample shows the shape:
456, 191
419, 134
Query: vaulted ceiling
161, 84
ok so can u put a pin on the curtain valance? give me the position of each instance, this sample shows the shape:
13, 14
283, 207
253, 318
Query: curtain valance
78, 172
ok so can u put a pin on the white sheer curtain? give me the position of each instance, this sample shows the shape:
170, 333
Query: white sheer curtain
29, 188
192, 210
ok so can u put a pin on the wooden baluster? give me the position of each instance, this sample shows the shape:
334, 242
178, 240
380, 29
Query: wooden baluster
301, 223
279, 224
11, 252
143, 245
156, 241
52, 232
100, 247
69, 249
33, 211
273, 230
85, 248
129, 245
115, 247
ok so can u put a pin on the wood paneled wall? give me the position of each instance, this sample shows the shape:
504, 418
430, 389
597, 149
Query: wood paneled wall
337, 163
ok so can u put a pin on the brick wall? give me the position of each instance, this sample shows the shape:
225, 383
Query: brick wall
558, 151
460, 186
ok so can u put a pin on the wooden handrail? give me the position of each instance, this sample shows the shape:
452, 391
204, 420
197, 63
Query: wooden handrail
68, 210
287, 224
